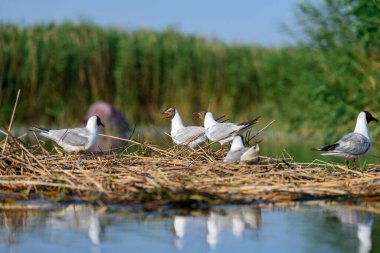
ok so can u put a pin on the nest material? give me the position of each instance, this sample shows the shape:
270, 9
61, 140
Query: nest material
175, 175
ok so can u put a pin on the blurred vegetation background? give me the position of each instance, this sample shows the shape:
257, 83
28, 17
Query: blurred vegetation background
321, 83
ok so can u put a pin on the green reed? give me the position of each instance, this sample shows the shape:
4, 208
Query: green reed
61, 69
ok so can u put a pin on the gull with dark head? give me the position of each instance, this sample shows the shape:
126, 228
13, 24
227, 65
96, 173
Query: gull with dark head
191, 136
223, 132
239, 153
355, 144
73, 139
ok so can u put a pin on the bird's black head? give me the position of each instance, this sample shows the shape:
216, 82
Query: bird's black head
99, 121
369, 117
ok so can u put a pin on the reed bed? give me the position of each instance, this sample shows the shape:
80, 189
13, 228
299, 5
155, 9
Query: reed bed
138, 71
176, 175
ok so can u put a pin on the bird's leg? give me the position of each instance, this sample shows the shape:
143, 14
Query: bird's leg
355, 163
79, 158
79, 161
228, 146
67, 157
348, 163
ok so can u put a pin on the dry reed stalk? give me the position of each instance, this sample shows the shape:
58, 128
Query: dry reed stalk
11, 122
156, 174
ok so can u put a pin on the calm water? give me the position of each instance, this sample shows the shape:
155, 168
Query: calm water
79, 228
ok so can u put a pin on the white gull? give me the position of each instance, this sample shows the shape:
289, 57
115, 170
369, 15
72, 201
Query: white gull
192, 136
355, 144
226, 131
73, 139
239, 153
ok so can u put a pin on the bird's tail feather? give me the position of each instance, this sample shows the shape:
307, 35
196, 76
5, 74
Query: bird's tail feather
245, 125
38, 129
327, 148
250, 122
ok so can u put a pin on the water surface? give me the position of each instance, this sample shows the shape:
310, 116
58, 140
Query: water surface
81, 228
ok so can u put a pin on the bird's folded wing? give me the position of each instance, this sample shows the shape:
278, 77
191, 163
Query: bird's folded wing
222, 131
250, 153
353, 143
234, 156
188, 134
73, 137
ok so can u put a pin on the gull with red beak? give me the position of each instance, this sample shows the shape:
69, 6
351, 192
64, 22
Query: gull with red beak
73, 139
355, 144
223, 132
191, 136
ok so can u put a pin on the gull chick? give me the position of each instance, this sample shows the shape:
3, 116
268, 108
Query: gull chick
355, 144
223, 132
73, 139
191, 136
239, 153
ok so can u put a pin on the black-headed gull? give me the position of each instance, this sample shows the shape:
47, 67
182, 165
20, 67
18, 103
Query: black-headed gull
73, 139
355, 144
223, 132
239, 153
191, 136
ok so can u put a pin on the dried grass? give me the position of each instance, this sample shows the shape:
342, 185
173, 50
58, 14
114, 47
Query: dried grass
156, 175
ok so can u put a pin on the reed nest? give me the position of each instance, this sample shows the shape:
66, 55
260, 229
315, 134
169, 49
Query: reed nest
150, 174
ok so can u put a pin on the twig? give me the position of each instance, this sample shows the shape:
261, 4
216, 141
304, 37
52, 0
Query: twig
262, 129
133, 131
120, 139
10, 124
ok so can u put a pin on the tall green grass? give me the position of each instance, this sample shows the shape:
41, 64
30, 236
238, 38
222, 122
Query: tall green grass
61, 69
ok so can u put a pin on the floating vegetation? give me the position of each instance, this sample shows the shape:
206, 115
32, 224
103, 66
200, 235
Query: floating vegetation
175, 175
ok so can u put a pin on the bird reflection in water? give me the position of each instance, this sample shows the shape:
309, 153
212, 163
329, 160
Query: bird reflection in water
80, 218
234, 221
213, 230
363, 221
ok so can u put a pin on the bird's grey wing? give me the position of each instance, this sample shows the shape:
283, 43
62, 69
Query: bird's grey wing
354, 144
234, 156
73, 137
251, 153
223, 130
188, 134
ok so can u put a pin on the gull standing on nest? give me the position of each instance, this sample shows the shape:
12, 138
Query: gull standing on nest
223, 132
73, 139
192, 136
355, 144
